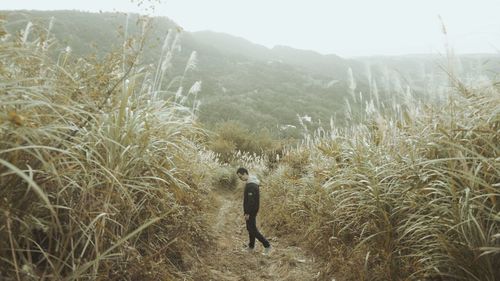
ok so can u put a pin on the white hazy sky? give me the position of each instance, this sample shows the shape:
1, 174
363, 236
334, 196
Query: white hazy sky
343, 27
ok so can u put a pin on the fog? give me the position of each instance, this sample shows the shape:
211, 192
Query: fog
345, 28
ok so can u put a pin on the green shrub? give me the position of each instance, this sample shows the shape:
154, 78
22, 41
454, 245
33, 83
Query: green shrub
225, 177
232, 137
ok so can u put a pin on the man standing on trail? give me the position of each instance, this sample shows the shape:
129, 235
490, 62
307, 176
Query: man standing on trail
250, 209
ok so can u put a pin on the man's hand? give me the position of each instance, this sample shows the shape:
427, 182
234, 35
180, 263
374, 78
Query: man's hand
247, 216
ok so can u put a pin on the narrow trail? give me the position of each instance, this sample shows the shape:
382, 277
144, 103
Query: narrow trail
229, 260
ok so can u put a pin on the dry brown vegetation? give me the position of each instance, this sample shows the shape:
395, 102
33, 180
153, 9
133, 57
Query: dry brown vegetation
96, 169
407, 196
103, 179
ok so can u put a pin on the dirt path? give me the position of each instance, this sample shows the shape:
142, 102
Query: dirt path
229, 260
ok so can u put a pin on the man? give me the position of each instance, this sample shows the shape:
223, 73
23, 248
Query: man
250, 209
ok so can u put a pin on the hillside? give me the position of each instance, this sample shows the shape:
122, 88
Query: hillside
106, 173
257, 86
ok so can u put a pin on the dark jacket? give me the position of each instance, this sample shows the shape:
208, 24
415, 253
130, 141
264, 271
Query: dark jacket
251, 199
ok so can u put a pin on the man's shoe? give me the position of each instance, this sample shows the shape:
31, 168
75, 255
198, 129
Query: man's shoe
267, 250
249, 250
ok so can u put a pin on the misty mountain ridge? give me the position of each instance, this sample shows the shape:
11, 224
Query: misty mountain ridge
251, 83
310, 59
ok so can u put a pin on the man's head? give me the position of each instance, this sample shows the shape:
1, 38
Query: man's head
242, 174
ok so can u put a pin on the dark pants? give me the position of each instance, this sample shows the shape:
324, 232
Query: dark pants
253, 233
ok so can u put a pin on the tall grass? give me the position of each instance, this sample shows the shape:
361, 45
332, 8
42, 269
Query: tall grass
95, 165
410, 195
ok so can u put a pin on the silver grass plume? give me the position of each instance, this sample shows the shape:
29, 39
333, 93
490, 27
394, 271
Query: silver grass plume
192, 62
46, 42
348, 109
166, 42
375, 93
352, 83
166, 62
178, 94
26, 32
196, 88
